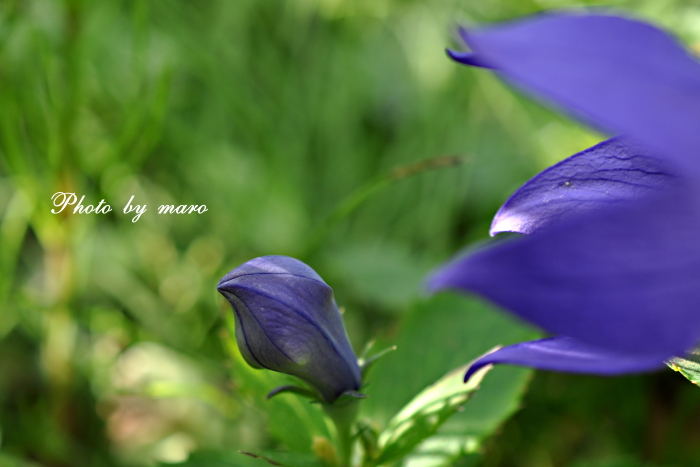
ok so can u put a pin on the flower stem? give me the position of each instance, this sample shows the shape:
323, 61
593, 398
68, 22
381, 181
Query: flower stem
358, 197
343, 416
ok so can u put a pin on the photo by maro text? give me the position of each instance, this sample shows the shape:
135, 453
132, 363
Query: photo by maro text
62, 200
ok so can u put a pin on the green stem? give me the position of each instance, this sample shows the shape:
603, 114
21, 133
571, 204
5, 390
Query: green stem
343, 417
357, 198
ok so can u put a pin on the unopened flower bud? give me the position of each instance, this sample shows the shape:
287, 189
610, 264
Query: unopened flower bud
287, 321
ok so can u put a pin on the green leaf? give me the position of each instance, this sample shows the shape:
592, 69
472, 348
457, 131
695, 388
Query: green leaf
421, 418
383, 273
445, 450
369, 439
246, 459
287, 459
439, 334
304, 392
349, 397
366, 363
688, 366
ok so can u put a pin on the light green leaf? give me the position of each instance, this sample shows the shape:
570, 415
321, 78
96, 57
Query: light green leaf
439, 334
421, 418
688, 366
385, 274
445, 450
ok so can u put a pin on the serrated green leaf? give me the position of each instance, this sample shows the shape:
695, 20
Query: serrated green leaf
441, 333
688, 365
421, 417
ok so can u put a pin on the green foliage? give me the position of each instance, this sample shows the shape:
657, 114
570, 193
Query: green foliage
241, 459
11, 461
421, 417
287, 459
277, 115
688, 366
438, 335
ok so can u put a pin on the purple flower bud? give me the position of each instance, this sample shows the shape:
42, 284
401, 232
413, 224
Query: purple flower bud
287, 321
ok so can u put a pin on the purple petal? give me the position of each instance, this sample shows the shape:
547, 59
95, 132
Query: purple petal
568, 355
624, 278
467, 58
294, 283
621, 75
273, 265
287, 321
606, 174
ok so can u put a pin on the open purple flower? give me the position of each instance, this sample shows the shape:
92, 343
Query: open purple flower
611, 261
287, 321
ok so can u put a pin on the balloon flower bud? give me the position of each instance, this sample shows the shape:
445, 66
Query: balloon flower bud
287, 321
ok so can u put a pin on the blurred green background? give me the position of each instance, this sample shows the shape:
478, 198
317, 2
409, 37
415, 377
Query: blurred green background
115, 349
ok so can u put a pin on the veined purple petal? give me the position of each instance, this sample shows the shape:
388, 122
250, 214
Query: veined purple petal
608, 173
287, 321
295, 283
568, 355
623, 278
622, 75
273, 265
